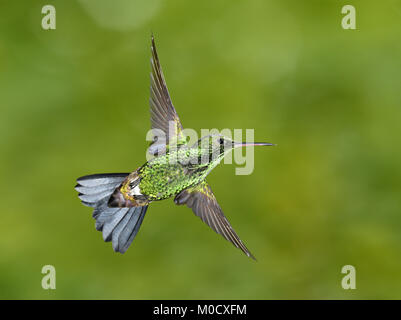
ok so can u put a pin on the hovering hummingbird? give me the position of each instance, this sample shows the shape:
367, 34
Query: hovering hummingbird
120, 200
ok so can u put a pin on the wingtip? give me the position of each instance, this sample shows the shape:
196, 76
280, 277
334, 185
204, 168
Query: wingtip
250, 255
153, 58
152, 40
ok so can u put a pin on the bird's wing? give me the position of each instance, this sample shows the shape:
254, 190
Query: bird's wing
204, 204
164, 118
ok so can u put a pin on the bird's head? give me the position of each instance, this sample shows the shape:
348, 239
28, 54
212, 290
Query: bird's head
214, 147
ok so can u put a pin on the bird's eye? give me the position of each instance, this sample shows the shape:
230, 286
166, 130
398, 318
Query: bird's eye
221, 141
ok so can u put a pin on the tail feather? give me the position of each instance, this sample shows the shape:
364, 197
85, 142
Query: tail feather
95, 180
119, 225
130, 230
103, 215
110, 223
92, 198
95, 189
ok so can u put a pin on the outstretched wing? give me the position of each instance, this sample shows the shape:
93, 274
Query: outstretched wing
204, 204
166, 125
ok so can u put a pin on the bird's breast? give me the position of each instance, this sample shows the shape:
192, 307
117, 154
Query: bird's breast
163, 180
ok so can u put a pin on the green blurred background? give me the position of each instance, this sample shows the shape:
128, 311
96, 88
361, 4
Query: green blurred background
74, 101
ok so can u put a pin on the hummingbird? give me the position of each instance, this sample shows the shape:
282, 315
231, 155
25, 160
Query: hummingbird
177, 169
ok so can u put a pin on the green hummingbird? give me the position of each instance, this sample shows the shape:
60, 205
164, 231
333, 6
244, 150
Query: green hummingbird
120, 200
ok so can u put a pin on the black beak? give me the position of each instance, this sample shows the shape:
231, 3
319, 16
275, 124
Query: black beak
249, 144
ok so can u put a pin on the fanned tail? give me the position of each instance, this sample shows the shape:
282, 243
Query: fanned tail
119, 225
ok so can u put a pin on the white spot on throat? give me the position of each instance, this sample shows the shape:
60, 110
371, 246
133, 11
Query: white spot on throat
136, 191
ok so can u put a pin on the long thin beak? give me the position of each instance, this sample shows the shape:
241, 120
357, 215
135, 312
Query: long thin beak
249, 144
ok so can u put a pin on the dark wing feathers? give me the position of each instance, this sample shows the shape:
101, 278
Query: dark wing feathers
119, 225
204, 204
162, 110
